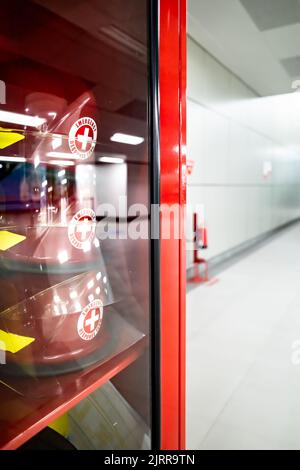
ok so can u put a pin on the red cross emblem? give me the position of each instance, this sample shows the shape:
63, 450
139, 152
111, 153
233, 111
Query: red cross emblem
90, 320
82, 228
83, 137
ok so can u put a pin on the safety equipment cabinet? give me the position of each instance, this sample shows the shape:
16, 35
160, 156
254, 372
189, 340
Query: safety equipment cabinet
92, 196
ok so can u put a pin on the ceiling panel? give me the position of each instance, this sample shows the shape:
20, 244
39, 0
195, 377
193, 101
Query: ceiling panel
226, 30
269, 14
292, 66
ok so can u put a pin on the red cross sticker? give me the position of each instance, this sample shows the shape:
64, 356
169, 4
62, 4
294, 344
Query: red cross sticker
90, 320
82, 228
83, 137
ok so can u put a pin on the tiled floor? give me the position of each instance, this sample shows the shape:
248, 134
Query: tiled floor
243, 389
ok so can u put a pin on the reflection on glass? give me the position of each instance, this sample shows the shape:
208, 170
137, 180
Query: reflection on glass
73, 139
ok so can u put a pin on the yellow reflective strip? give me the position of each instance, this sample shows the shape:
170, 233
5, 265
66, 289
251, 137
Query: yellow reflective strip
9, 138
13, 343
61, 425
9, 239
4, 129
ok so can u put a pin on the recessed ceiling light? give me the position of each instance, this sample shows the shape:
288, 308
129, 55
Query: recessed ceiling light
22, 119
61, 162
111, 160
126, 139
13, 159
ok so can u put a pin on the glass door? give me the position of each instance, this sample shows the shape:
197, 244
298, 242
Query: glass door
75, 256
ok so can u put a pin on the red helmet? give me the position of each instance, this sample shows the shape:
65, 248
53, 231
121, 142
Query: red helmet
56, 306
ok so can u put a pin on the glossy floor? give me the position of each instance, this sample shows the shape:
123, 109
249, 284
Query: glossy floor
243, 376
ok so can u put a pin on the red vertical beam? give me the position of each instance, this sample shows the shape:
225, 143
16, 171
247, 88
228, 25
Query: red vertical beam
172, 71
182, 248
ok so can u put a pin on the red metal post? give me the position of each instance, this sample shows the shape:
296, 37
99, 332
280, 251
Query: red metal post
183, 174
173, 193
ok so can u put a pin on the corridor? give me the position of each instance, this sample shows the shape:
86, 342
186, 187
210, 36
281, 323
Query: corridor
243, 381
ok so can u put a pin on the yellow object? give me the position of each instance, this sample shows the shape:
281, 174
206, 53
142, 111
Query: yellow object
9, 239
13, 343
8, 137
61, 425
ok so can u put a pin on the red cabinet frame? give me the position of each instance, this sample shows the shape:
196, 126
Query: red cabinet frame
172, 111
172, 79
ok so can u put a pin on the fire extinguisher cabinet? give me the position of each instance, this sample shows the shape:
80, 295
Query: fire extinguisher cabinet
92, 138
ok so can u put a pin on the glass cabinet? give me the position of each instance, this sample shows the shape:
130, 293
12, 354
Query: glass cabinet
75, 271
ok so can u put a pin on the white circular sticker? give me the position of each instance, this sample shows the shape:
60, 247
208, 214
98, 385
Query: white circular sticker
82, 228
83, 137
90, 320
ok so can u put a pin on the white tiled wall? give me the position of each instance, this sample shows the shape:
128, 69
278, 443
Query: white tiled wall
231, 134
